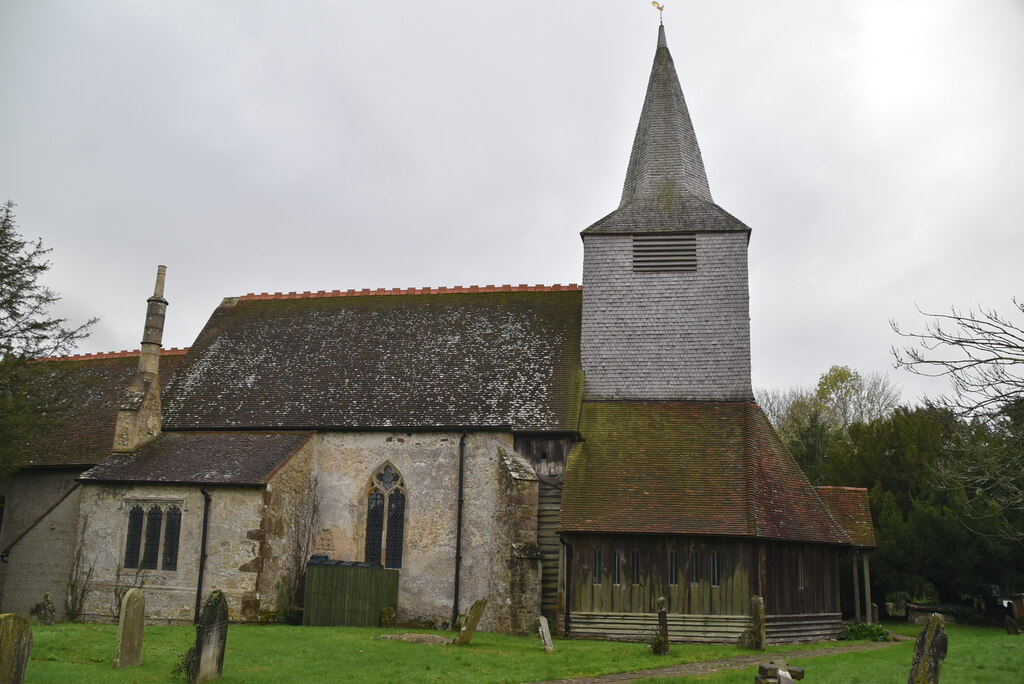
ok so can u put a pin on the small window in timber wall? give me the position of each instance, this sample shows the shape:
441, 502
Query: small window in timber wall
665, 252
716, 568
636, 567
616, 567
385, 517
597, 566
154, 532
673, 567
800, 570
694, 567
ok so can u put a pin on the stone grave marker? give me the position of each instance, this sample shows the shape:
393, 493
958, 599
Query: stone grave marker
660, 645
545, 634
15, 647
205, 660
929, 652
754, 637
470, 623
435, 639
772, 673
44, 611
130, 629
1011, 625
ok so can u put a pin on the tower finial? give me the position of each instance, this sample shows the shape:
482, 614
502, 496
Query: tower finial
661, 11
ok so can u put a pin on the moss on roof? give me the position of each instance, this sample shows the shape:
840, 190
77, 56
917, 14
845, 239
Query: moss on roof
496, 359
851, 509
711, 468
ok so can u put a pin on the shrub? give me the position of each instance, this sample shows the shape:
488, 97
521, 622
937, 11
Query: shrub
864, 631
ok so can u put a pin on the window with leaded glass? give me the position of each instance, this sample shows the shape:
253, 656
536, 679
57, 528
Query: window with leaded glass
716, 568
673, 567
616, 567
152, 535
385, 517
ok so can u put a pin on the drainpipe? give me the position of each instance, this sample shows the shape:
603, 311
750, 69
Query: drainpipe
568, 583
202, 551
458, 527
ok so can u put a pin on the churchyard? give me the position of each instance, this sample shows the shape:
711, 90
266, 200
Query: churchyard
277, 653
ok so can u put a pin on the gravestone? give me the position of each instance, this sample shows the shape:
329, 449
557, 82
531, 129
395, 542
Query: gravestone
205, 660
545, 634
387, 617
874, 613
435, 639
15, 647
754, 637
772, 673
660, 644
44, 611
130, 629
1011, 625
470, 623
929, 652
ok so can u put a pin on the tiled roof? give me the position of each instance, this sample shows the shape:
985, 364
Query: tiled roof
224, 458
96, 382
498, 357
666, 187
709, 468
851, 509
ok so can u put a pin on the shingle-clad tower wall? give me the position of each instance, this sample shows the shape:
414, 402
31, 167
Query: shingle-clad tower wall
665, 295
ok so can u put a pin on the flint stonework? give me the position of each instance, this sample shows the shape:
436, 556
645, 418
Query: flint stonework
15, 647
470, 623
130, 629
929, 652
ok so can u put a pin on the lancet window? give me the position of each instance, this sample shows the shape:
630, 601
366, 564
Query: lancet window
385, 517
154, 531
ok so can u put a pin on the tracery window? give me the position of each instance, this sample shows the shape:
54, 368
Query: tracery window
385, 517
154, 531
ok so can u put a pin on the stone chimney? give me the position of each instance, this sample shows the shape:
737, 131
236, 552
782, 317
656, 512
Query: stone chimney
138, 418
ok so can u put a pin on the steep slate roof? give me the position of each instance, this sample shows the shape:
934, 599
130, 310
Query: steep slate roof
708, 468
224, 458
666, 188
851, 509
96, 383
500, 357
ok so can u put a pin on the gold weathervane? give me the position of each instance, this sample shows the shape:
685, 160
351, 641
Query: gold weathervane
661, 10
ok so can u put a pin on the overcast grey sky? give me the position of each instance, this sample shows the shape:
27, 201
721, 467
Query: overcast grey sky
876, 148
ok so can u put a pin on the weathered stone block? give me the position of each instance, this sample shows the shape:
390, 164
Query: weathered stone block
15, 648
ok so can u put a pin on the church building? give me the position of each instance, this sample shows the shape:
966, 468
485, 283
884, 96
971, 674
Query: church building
572, 451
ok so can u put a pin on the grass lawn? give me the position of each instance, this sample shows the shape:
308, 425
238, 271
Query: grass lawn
67, 653
83, 653
977, 655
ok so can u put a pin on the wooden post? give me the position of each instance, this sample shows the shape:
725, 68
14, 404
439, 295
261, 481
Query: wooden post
856, 590
867, 590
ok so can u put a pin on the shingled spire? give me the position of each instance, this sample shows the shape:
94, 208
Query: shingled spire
666, 188
666, 157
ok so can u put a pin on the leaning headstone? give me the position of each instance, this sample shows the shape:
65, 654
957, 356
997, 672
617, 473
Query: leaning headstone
15, 647
470, 623
387, 617
929, 652
44, 611
874, 613
545, 634
205, 660
130, 629
1011, 625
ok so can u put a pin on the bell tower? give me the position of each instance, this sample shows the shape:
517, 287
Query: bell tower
665, 295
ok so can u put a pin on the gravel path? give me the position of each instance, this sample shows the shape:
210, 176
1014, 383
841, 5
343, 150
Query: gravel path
711, 666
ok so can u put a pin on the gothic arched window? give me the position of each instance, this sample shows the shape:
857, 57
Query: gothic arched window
385, 517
